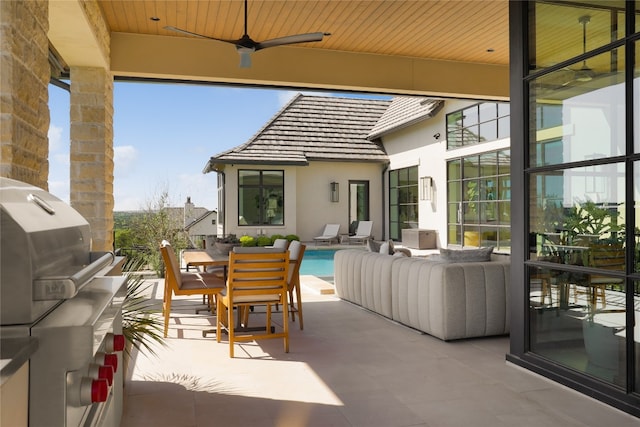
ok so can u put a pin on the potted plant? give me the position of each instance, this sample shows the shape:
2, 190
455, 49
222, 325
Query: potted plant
225, 244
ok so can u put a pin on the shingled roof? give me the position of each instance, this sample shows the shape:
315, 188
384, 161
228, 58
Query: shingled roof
312, 128
405, 111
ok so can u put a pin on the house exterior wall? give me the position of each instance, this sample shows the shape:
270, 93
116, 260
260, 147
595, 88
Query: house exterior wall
314, 206
416, 145
206, 226
307, 206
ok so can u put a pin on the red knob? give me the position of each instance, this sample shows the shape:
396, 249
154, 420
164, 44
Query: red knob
106, 373
111, 359
118, 342
101, 371
114, 342
99, 390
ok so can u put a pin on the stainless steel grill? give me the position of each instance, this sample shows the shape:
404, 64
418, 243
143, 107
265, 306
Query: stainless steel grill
65, 302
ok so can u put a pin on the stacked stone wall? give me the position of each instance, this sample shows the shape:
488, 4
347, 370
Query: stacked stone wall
24, 96
92, 151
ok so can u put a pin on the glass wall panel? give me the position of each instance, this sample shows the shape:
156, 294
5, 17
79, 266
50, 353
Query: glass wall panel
579, 118
563, 31
574, 209
636, 99
578, 320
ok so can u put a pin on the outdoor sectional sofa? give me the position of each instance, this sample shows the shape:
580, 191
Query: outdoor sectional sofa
449, 300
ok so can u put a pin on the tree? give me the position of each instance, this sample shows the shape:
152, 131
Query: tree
154, 225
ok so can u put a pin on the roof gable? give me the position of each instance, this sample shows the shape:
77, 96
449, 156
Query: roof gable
405, 111
313, 128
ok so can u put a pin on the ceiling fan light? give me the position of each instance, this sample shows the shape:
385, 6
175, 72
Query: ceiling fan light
584, 74
245, 57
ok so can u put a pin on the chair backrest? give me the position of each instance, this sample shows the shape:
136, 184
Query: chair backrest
281, 243
331, 230
607, 257
257, 274
296, 252
172, 268
364, 228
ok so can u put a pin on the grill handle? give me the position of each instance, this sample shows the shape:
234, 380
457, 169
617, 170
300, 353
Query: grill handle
65, 287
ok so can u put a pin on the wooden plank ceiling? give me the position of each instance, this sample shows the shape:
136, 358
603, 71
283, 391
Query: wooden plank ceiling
468, 31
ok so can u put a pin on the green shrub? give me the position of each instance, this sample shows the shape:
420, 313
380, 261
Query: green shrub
291, 237
248, 241
263, 241
275, 237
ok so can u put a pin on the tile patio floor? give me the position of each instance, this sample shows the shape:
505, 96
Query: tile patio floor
348, 367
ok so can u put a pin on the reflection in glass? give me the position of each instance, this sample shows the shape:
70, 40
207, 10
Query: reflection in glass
578, 120
575, 208
559, 29
578, 320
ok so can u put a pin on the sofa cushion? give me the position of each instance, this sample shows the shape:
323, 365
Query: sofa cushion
466, 255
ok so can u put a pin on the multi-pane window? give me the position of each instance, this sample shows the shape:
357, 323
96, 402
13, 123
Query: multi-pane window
479, 195
260, 197
484, 122
580, 190
403, 200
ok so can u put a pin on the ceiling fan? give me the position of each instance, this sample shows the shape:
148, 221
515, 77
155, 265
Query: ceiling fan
585, 73
246, 46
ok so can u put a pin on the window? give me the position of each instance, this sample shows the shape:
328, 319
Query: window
484, 122
479, 195
260, 197
403, 200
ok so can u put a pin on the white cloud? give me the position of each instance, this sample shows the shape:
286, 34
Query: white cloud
60, 189
124, 159
61, 159
55, 138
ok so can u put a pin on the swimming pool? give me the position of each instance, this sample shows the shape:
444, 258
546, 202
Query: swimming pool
318, 262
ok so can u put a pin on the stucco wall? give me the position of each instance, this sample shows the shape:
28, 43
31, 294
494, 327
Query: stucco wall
417, 146
307, 206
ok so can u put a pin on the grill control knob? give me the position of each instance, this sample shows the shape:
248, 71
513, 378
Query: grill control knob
114, 342
110, 359
101, 372
92, 391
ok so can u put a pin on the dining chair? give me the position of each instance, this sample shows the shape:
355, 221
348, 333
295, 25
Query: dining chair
255, 277
605, 257
177, 282
296, 253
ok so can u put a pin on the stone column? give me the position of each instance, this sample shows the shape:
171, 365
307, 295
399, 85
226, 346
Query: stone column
24, 96
91, 135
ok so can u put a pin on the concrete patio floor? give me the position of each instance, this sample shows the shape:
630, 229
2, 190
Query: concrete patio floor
348, 367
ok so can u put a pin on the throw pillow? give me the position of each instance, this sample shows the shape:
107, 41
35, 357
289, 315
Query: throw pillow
466, 255
387, 248
373, 246
384, 248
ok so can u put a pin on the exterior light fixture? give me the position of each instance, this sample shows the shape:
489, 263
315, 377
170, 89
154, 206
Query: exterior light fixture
426, 187
335, 192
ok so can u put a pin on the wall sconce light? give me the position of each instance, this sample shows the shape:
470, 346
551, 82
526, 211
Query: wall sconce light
426, 187
436, 136
335, 192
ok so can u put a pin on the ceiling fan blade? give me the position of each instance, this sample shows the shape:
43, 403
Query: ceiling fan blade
298, 38
180, 30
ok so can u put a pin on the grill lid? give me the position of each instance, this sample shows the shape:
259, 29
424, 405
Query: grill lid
44, 252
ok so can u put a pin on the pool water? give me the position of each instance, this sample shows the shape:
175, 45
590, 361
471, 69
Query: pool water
318, 262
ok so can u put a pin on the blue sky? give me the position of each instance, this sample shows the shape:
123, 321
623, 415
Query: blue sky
163, 136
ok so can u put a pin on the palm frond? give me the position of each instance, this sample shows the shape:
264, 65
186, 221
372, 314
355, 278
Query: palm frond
142, 325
